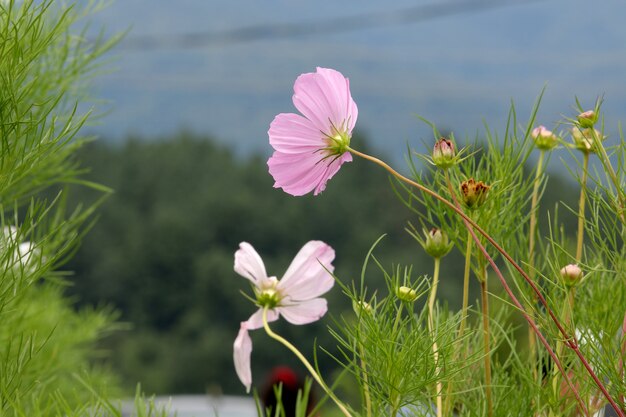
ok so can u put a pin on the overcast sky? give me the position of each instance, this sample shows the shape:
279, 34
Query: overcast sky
455, 65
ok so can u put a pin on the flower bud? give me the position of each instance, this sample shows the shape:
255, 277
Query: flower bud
406, 294
544, 138
360, 307
571, 274
444, 155
585, 139
436, 243
474, 193
587, 118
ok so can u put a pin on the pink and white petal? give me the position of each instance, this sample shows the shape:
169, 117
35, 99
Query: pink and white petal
294, 134
341, 86
331, 170
308, 276
304, 312
324, 98
298, 174
242, 349
256, 320
249, 264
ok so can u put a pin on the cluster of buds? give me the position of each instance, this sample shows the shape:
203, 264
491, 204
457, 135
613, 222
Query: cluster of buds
474, 193
444, 155
544, 139
571, 275
406, 294
586, 137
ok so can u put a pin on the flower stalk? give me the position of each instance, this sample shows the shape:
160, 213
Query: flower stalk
431, 330
317, 377
484, 298
581, 209
606, 163
622, 397
471, 226
532, 233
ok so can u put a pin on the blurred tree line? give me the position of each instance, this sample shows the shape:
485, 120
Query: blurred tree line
162, 254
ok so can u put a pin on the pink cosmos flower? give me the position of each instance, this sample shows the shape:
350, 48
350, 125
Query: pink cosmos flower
296, 296
310, 148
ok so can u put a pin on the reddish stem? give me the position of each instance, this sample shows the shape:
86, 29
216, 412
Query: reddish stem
621, 360
569, 341
517, 303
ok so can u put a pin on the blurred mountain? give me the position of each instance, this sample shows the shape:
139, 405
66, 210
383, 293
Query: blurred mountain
199, 65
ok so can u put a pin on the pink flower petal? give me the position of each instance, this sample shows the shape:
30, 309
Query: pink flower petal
249, 264
308, 276
291, 133
324, 98
299, 174
304, 312
256, 320
242, 349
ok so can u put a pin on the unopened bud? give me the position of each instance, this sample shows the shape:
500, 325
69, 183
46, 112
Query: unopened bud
444, 155
360, 307
474, 193
406, 294
544, 138
587, 118
437, 244
585, 139
571, 274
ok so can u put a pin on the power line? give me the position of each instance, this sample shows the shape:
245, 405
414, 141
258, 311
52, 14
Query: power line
325, 26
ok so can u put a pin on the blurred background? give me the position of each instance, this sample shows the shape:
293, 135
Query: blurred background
183, 142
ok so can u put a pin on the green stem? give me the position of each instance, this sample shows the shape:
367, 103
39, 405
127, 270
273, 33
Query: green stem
466, 271
306, 364
568, 309
433, 295
581, 208
397, 321
431, 329
465, 306
486, 339
606, 163
366, 387
466, 280
532, 233
533, 217
393, 394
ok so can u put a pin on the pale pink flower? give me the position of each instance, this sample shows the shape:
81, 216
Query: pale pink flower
296, 296
310, 148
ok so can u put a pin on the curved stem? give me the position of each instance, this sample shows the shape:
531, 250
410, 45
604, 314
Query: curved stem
581, 209
306, 364
471, 225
